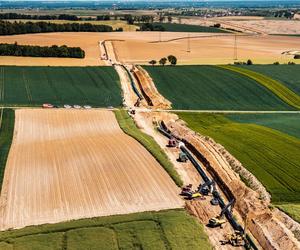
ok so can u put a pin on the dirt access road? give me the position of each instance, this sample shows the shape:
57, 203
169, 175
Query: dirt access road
71, 164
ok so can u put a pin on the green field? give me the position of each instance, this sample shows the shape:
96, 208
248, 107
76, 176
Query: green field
212, 88
275, 86
175, 27
173, 229
7, 121
293, 210
129, 127
286, 74
286, 123
272, 156
31, 86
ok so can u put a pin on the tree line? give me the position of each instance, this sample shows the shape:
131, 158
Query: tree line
39, 17
151, 27
40, 51
12, 28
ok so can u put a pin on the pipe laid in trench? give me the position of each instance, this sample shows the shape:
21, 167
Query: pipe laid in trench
235, 225
135, 90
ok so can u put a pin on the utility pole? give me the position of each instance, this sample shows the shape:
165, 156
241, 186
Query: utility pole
188, 44
235, 55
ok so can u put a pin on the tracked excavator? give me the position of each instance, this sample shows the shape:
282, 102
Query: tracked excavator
220, 220
207, 187
238, 238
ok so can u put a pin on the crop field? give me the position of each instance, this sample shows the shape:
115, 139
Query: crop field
286, 74
212, 88
275, 86
31, 86
172, 229
286, 123
175, 27
80, 165
272, 156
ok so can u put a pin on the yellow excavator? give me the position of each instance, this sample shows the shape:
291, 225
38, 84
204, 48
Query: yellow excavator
220, 220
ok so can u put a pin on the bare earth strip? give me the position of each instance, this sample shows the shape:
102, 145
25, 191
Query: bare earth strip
71, 164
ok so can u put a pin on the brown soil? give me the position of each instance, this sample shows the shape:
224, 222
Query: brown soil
71, 164
149, 90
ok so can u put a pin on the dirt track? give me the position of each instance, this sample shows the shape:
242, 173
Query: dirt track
70, 164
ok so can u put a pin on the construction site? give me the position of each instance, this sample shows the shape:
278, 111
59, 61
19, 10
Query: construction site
110, 157
235, 215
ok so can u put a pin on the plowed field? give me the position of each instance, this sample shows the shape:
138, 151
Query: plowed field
70, 164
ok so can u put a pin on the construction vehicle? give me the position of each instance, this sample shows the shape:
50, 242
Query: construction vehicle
235, 239
220, 220
238, 238
47, 106
182, 157
195, 195
214, 201
172, 143
138, 102
207, 187
186, 190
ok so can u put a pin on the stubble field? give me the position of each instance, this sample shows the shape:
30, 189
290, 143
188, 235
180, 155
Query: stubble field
80, 164
138, 47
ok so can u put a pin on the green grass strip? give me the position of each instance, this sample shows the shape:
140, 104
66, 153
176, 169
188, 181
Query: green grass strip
7, 121
129, 127
276, 87
291, 209
175, 229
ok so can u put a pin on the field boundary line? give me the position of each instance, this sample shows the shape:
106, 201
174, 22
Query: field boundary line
2, 84
29, 96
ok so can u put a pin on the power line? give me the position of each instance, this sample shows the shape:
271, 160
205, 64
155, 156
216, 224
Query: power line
235, 54
188, 44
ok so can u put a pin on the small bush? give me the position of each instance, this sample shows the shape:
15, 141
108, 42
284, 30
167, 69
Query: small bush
276, 63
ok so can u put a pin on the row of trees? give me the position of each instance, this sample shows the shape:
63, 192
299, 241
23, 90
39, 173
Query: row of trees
11, 28
127, 17
151, 27
39, 51
171, 59
39, 17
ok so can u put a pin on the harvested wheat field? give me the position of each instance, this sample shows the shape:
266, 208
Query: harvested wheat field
71, 164
208, 48
138, 47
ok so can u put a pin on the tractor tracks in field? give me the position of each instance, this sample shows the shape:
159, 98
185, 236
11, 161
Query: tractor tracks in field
2, 79
26, 84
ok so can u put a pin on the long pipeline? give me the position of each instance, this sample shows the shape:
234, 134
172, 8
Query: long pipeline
132, 83
235, 225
